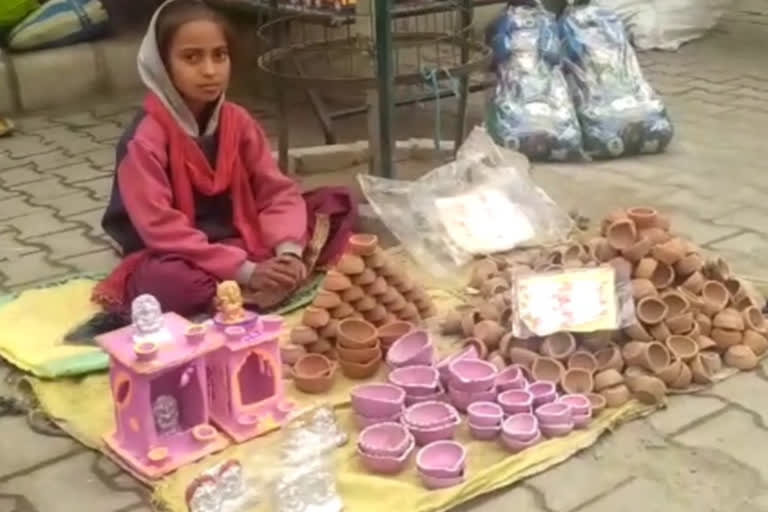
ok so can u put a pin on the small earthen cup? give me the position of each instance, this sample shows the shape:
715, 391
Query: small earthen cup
655, 357
651, 310
638, 250
621, 234
645, 268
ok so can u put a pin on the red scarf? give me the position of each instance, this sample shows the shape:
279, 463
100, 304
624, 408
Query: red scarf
190, 171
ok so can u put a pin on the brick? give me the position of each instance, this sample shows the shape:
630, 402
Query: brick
18, 175
100, 261
12, 207
63, 244
100, 187
747, 390
79, 202
91, 218
74, 141
42, 190
41, 221
104, 131
51, 159
77, 173
682, 410
639, 495
20, 146
101, 157
33, 268
516, 498
37, 448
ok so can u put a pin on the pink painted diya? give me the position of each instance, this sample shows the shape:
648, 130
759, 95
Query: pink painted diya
385, 440
415, 348
377, 400
472, 375
516, 401
469, 352
416, 380
511, 377
442, 459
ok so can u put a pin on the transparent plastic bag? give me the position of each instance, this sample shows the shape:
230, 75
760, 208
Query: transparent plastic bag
483, 202
619, 112
530, 109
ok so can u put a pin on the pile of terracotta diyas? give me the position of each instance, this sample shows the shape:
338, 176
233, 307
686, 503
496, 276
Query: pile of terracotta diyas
385, 448
313, 373
377, 403
358, 348
441, 464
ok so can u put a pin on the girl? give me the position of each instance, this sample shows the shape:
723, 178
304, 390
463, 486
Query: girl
197, 197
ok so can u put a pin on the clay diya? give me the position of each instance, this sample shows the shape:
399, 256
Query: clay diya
385, 440
359, 355
756, 342
651, 310
621, 234
616, 396
290, 353
684, 379
489, 332
637, 332
577, 380
655, 234
377, 400
386, 465
415, 348
659, 331
326, 299
597, 401
601, 250
613, 216
643, 216
637, 250
443, 366
729, 319
663, 276
367, 303
365, 278
633, 352
583, 360
711, 361
315, 317
313, 373
523, 357
557, 429
700, 372
754, 319
726, 338
547, 369
511, 377
580, 404
559, 345
350, 264
522, 427
694, 283
715, 296
689, 264
679, 324
393, 331
555, 413
656, 357
671, 373
642, 288
516, 401
434, 483
607, 379
352, 294
472, 375
416, 380
670, 252
430, 415
741, 357
463, 399
442, 459
479, 346
609, 358
356, 333
485, 414
543, 392
682, 347
336, 281
444, 431
645, 268
355, 370
649, 390
676, 302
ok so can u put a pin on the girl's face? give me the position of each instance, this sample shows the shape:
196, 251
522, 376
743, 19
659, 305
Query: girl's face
198, 58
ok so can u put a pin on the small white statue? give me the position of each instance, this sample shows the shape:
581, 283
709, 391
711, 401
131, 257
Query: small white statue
166, 412
146, 314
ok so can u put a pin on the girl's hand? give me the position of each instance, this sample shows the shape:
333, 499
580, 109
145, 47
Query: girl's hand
272, 275
295, 266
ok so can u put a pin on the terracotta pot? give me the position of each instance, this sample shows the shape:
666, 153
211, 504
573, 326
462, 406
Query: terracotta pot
680, 323
596, 340
756, 342
451, 323
427, 311
377, 288
488, 311
303, 335
622, 268
468, 321
330, 329
684, 379
597, 402
645, 268
377, 315
494, 286
671, 373
601, 250
637, 332
676, 302
682, 347
642, 288
729, 318
609, 358
391, 296
659, 331
360, 370
607, 379
705, 343
754, 319
376, 260
547, 369
365, 278
712, 361
649, 390
482, 271
726, 338
613, 216
359, 355
689, 264
621, 234
643, 216
700, 372
320, 346
704, 323
354, 333
489, 332
670, 252
651, 310
313, 365
634, 353
577, 381
362, 244
481, 348
290, 353
656, 357
741, 357
655, 235
343, 310
717, 269
497, 360
352, 294
663, 276
350, 264
735, 288
631, 373
715, 296
410, 312
367, 303
336, 281
326, 299
393, 331
694, 283
315, 317
581, 359
559, 345
616, 396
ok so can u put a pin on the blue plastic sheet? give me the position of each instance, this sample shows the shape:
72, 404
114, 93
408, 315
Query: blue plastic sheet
619, 112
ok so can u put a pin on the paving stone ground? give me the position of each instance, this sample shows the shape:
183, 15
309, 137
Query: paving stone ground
703, 453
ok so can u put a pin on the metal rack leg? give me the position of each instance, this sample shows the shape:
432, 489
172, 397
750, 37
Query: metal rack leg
465, 17
385, 96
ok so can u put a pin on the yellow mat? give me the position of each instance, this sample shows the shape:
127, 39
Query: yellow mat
83, 407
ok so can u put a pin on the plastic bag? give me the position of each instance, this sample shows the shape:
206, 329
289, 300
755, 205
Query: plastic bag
482, 202
530, 110
619, 112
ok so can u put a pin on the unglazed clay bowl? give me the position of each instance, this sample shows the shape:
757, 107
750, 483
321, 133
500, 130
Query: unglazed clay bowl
517, 446
416, 380
597, 402
313, 365
433, 482
621, 234
583, 360
424, 436
326, 299
638, 250
651, 310
559, 345
350, 264
415, 348
336, 281
547, 369
303, 335
554, 413
430, 415
356, 333
362, 244
523, 357
557, 429
362, 421
472, 375
741, 357
290, 353
442, 459
715, 297
682, 347
609, 358
577, 380
511, 377
521, 427
543, 392
463, 399
516, 401
754, 319
377, 399
607, 379
360, 370
485, 414
359, 355
484, 433
580, 404
393, 331
644, 217
728, 318
385, 440
386, 465
755, 341
663, 276
443, 367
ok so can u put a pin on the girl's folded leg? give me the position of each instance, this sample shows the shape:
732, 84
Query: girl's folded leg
177, 284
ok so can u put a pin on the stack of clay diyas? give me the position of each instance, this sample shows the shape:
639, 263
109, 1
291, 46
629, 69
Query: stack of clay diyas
363, 285
358, 348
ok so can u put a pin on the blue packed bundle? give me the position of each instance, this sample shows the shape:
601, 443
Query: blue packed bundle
619, 112
530, 109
